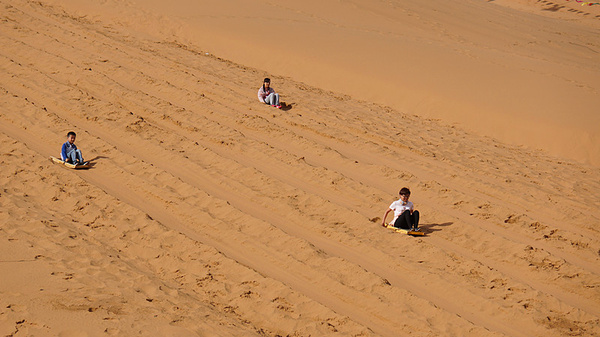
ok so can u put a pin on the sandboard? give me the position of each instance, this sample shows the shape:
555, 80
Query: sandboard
405, 231
69, 165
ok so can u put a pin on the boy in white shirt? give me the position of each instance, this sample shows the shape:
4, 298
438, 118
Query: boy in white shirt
405, 216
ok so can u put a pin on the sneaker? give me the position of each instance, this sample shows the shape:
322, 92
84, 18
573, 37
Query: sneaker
278, 106
416, 229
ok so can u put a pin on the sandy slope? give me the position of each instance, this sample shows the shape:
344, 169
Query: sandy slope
208, 214
523, 71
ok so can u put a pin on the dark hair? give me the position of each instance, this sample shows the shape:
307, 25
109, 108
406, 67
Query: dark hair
71, 133
405, 191
266, 80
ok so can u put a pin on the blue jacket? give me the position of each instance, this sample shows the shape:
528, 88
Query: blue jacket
66, 148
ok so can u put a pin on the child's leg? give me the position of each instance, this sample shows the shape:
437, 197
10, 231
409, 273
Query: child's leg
404, 221
272, 99
79, 155
269, 99
71, 156
415, 219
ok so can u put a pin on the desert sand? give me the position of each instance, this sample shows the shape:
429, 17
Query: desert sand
525, 72
206, 213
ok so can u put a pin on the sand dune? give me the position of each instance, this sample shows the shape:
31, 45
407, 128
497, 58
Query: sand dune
208, 214
522, 71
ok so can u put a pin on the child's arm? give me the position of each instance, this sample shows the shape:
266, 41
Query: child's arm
63, 152
385, 216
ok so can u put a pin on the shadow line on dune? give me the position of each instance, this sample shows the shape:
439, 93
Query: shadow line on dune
92, 162
435, 227
96, 158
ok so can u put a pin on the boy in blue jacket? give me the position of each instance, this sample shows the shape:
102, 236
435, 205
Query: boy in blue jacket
69, 152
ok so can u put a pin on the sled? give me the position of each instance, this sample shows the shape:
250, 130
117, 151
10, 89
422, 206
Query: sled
69, 165
405, 231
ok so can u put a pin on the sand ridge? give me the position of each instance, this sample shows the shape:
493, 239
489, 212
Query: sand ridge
206, 213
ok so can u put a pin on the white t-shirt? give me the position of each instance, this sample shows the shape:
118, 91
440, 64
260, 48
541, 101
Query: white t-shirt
399, 207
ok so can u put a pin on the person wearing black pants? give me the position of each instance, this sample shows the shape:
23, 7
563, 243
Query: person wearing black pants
406, 220
405, 216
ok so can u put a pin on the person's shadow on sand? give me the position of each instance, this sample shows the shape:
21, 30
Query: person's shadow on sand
92, 162
434, 227
286, 107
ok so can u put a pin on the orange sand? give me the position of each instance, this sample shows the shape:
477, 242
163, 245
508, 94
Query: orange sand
208, 214
528, 74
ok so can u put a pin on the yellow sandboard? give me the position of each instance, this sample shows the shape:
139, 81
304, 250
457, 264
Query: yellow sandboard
69, 165
405, 231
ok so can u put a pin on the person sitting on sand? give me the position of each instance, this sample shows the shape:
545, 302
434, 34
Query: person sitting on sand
267, 95
405, 216
69, 152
